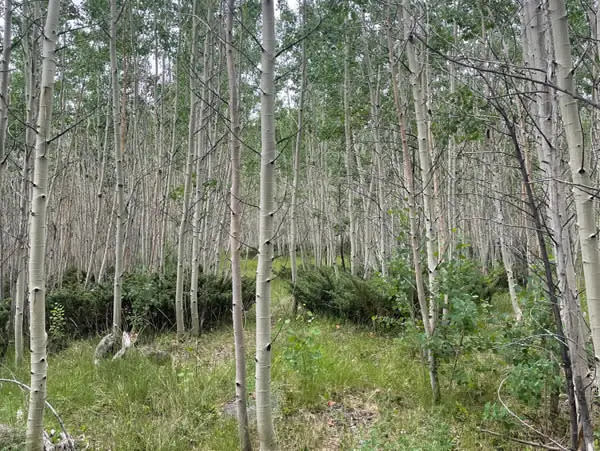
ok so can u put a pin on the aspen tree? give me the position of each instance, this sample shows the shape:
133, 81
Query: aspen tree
187, 186
119, 186
350, 163
4, 76
580, 173
235, 229
419, 99
296, 165
31, 52
37, 236
538, 47
412, 217
197, 144
264, 418
507, 258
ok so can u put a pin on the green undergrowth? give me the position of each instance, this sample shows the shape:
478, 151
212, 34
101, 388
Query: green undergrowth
336, 385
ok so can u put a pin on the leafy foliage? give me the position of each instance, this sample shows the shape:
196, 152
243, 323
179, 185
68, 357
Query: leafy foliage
148, 302
341, 295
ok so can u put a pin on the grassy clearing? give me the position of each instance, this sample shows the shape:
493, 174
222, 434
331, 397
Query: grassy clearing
336, 386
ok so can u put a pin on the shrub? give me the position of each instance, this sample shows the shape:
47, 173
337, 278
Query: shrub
344, 296
148, 301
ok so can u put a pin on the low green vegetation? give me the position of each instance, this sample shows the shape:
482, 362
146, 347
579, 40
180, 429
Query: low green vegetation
341, 380
76, 311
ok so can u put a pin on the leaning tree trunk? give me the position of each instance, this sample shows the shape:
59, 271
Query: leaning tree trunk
582, 182
235, 231
37, 237
118, 278
264, 419
412, 215
294, 202
539, 46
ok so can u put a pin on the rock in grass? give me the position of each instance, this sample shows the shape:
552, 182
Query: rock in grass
104, 348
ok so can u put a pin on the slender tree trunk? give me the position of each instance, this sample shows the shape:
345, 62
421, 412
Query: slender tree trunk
21, 261
235, 230
120, 210
37, 237
551, 164
350, 164
296, 170
197, 194
186, 187
419, 99
4, 77
560, 335
507, 258
98, 209
414, 244
264, 419
584, 202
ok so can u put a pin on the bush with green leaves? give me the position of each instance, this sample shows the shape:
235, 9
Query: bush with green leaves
148, 301
341, 295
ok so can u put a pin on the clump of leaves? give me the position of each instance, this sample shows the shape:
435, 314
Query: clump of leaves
148, 303
341, 295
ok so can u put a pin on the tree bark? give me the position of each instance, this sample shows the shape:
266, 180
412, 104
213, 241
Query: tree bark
412, 215
350, 164
37, 237
296, 168
4, 76
187, 186
235, 230
119, 186
264, 419
419, 99
197, 144
584, 202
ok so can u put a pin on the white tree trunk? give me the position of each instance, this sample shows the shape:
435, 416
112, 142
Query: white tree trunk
296, 169
412, 215
119, 207
197, 192
187, 186
350, 165
419, 99
4, 76
264, 419
235, 231
37, 237
584, 202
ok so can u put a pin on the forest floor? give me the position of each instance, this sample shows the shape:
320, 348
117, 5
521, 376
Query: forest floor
335, 386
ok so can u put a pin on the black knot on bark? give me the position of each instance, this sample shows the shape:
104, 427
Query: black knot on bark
269, 347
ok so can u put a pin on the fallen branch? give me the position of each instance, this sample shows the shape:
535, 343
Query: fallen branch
560, 447
518, 440
70, 442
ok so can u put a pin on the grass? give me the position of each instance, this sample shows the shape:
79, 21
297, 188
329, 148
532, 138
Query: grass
336, 386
